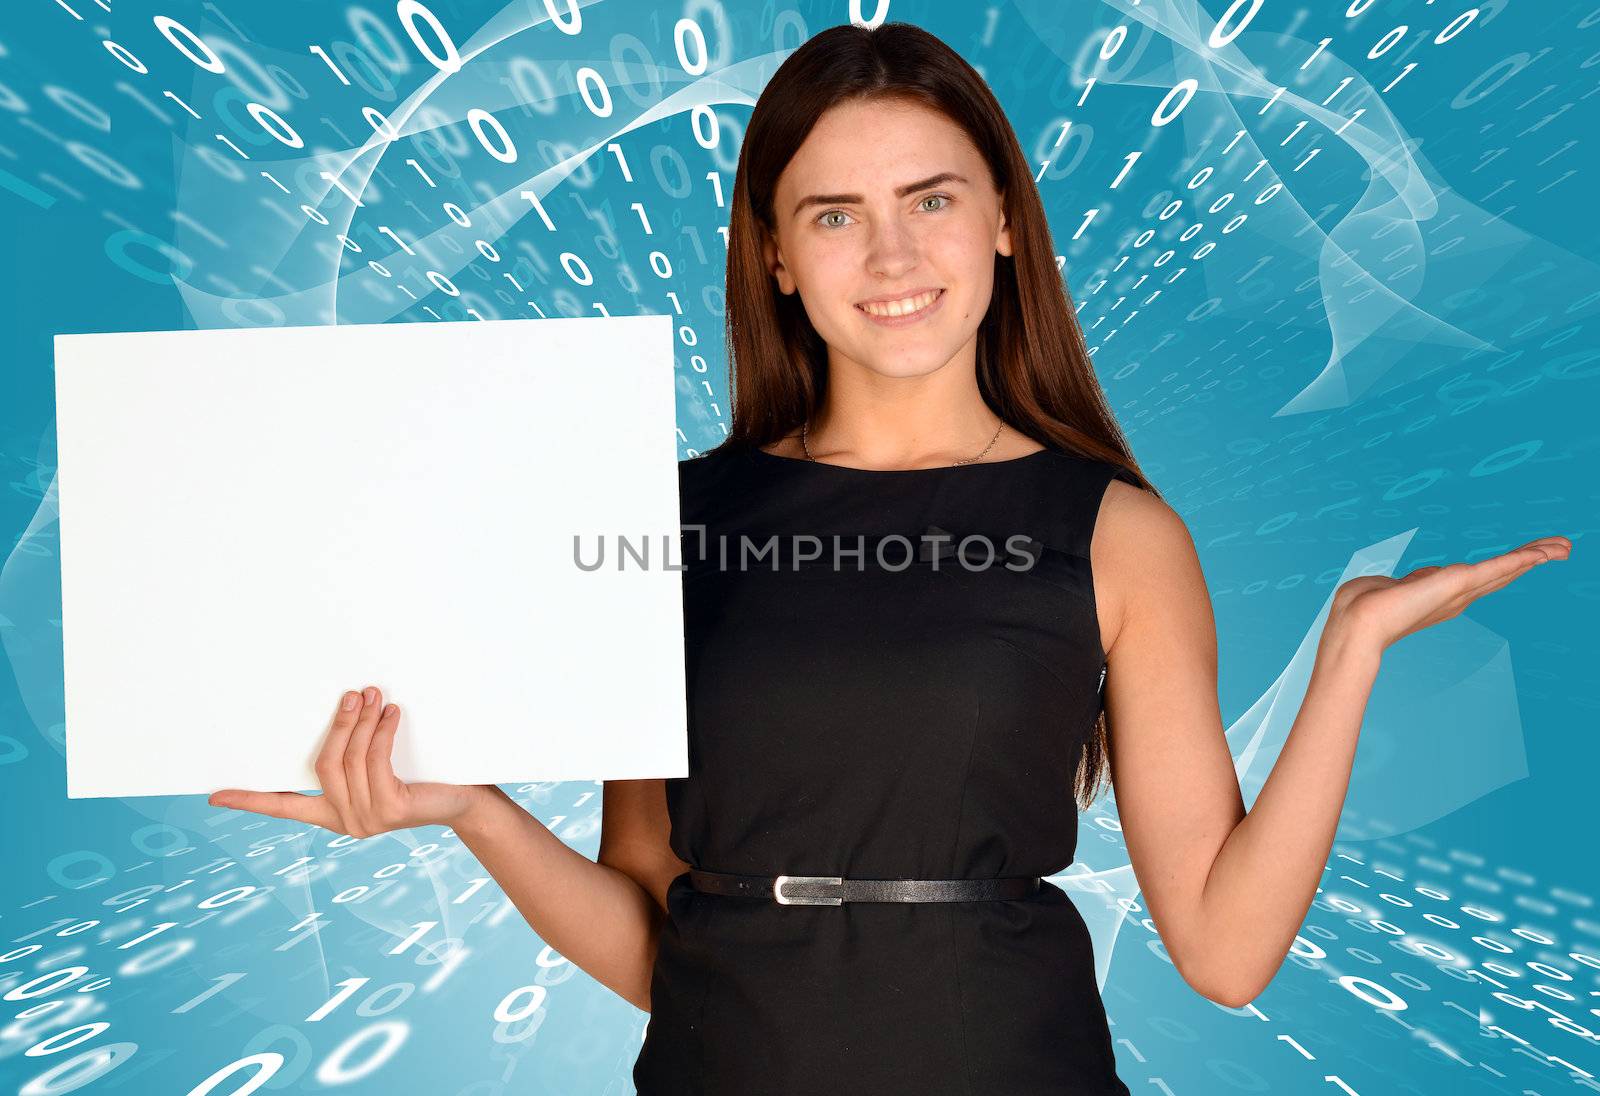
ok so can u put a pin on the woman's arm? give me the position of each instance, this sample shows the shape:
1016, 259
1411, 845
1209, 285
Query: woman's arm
1228, 890
593, 914
605, 917
1268, 870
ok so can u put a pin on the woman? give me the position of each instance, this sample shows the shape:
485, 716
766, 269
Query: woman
908, 372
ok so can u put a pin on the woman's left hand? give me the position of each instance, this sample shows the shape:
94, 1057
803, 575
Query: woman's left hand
1385, 609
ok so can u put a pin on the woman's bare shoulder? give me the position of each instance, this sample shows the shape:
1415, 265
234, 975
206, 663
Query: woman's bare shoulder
1140, 544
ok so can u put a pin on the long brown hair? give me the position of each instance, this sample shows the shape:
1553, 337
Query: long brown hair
1033, 367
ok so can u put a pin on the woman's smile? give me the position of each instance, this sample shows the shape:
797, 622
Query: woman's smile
894, 314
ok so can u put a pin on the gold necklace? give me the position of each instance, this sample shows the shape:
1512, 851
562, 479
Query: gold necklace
807, 426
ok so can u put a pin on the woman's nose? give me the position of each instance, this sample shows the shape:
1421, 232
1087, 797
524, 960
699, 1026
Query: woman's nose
892, 246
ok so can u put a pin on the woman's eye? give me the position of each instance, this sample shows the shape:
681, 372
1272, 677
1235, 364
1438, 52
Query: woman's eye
823, 219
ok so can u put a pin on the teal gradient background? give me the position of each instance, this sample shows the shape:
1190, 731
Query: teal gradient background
1336, 269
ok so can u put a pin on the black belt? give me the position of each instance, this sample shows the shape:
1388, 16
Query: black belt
831, 890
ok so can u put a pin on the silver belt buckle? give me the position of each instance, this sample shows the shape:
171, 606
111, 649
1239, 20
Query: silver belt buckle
777, 890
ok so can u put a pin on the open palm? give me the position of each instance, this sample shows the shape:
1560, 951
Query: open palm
1392, 608
362, 796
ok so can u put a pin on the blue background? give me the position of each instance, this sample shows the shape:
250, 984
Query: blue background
1343, 302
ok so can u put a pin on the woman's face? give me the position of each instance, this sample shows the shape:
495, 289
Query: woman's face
888, 200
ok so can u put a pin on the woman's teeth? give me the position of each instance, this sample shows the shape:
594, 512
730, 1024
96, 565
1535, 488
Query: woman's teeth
902, 307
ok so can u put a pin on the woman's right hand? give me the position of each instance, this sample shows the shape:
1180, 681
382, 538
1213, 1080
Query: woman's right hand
361, 795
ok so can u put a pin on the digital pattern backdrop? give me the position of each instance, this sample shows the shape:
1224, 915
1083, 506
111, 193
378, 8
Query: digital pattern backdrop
1336, 266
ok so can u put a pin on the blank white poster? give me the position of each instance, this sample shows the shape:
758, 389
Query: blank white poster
254, 521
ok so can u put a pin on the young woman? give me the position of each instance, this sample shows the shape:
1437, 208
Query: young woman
896, 702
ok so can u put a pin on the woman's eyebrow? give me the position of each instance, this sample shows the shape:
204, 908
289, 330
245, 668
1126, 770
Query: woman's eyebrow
900, 192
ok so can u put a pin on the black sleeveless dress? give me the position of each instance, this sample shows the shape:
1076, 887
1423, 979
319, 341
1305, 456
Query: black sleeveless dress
900, 711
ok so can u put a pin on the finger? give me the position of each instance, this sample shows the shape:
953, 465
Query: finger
355, 759
382, 783
1529, 555
1556, 547
1510, 578
1553, 547
1512, 566
314, 809
330, 761
1476, 579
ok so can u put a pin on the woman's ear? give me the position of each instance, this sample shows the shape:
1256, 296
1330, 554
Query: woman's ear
774, 260
1002, 241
